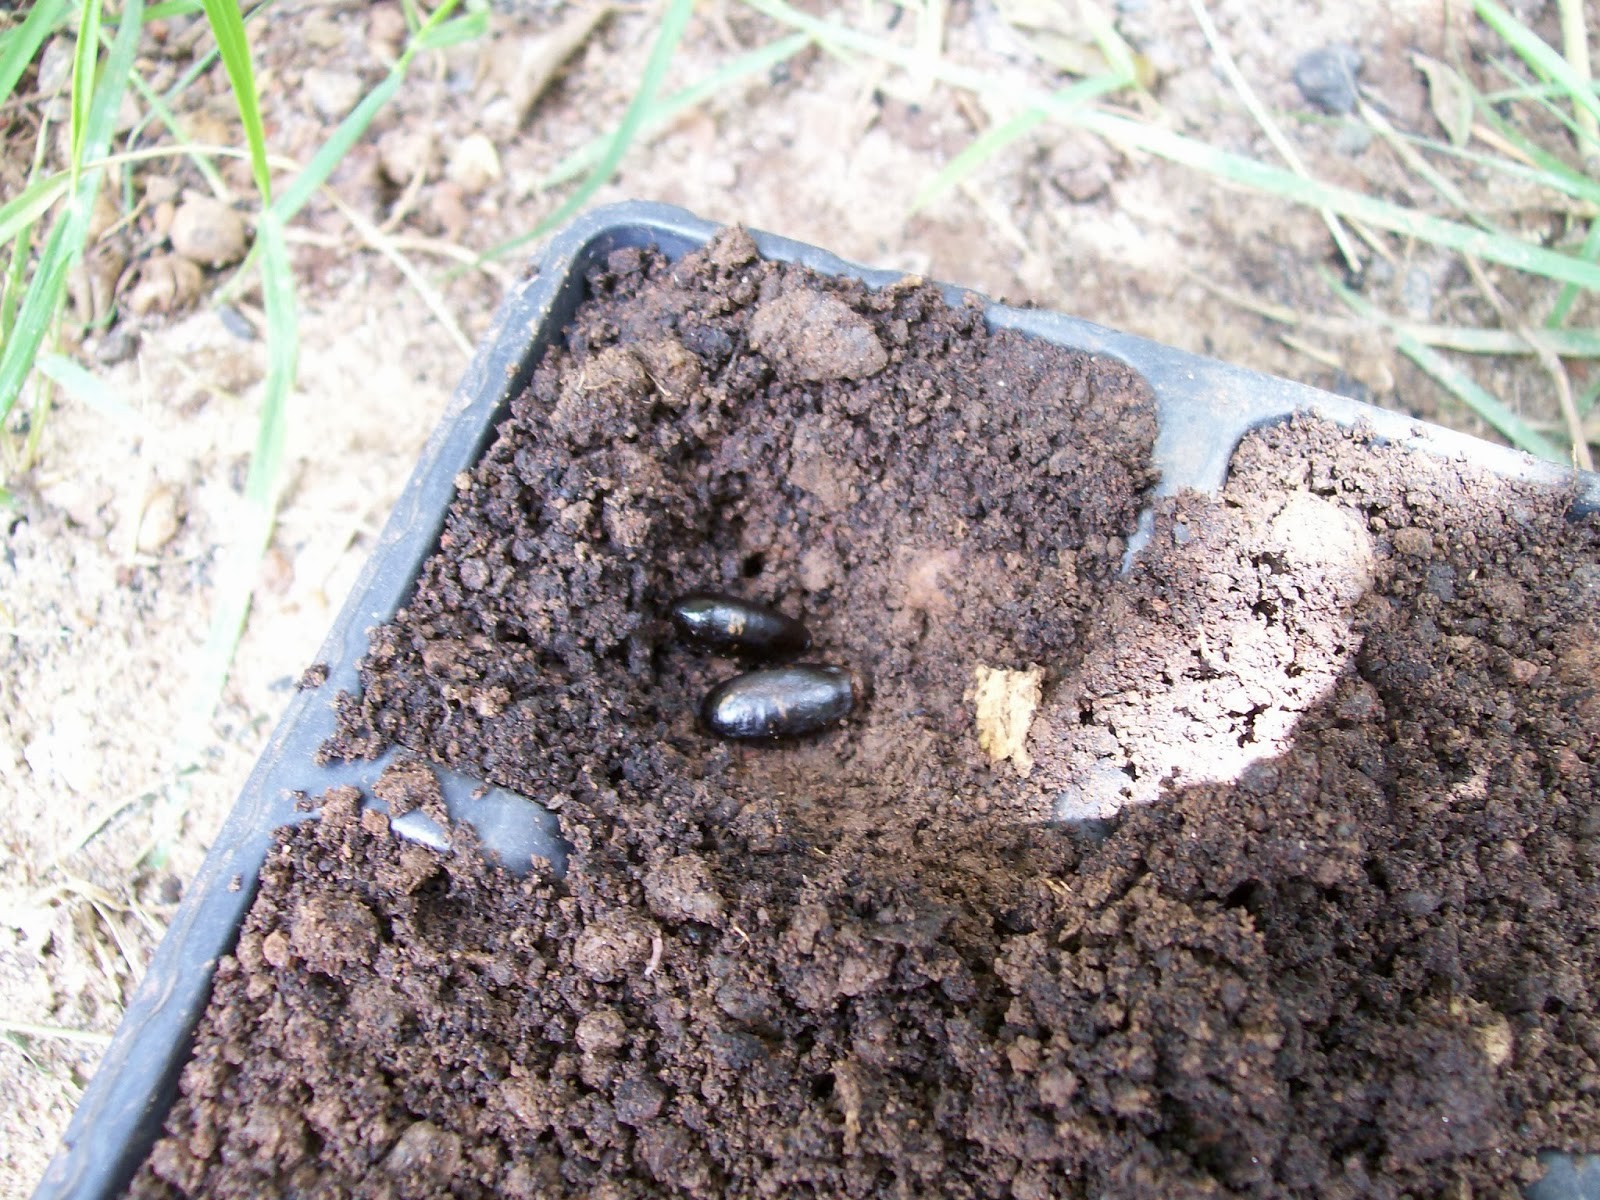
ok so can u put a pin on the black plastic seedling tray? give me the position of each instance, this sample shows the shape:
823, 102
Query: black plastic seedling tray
1205, 407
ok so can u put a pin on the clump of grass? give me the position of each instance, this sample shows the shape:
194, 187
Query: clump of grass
35, 289
44, 233
1538, 75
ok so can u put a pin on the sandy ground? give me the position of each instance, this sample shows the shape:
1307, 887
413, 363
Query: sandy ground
107, 574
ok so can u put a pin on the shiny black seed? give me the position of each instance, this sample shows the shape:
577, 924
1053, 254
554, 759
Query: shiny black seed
721, 622
780, 702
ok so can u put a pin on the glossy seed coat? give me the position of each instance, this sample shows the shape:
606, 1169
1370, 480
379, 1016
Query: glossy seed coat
780, 702
717, 621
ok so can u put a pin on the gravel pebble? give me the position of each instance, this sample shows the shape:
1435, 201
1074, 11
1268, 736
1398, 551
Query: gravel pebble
1327, 77
208, 232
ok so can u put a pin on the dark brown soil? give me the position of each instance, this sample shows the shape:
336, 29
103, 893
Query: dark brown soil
1335, 930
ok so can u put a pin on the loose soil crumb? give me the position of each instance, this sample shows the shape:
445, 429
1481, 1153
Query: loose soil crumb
1336, 935
410, 786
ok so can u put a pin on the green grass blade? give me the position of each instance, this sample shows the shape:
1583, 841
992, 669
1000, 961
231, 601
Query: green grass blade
977, 152
85, 58
1553, 175
1570, 293
752, 62
240, 560
1544, 103
1482, 402
36, 314
31, 203
351, 130
837, 38
201, 64
227, 26
173, 8
12, 286
1575, 52
20, 238
278, 300
997, 137
1564, 343
1247, 172
93, 393
23, 42
1456, 381
1541, 57
1118, 54
1586, 402
454, 33
101, 116
1532, 91
64, 247
673, 22
36, 199
1418, 165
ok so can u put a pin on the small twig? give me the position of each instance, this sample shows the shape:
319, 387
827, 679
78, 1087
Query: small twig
930, 45
91, 828
1272, 312
1315, 353
1375, 243
452, 250
28, 101
1547, 359
1467, 339
717, 18
297, 235
997, 217
385, 246
976, 117
1269, 127
1414, 162
61, 1033
408, 198
1501, 145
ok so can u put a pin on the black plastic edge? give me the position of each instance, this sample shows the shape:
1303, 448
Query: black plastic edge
1205, 407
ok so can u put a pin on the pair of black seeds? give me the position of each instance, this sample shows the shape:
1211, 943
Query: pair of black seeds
775, 702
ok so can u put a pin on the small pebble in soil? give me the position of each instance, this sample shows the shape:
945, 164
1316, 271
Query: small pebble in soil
780, 702
165, 283
1327, 77
236, 323
119, 345
158, 521
718, 621
208, 232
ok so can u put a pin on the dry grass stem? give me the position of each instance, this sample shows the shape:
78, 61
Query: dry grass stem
1547, 359
57, 1032
1270, 127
